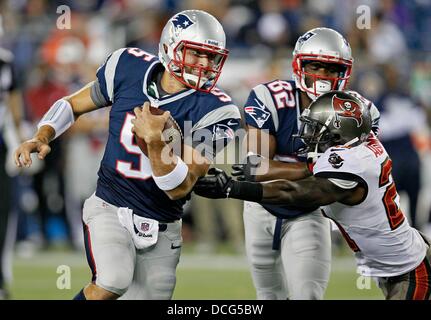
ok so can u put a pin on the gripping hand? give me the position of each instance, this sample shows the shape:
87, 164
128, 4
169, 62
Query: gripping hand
247, 171
216, 185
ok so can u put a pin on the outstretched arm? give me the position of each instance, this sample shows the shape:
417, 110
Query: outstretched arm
304, 194
307, 193
64, 112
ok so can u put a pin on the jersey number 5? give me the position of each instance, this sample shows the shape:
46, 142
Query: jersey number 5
394, 213
125, 168
139, 53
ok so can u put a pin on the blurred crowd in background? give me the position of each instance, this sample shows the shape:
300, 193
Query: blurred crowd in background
392, 68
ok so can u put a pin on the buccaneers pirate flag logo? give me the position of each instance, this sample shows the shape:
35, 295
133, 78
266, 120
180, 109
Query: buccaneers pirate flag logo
346, 108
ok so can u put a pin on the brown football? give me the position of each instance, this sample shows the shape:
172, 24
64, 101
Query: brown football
172, 134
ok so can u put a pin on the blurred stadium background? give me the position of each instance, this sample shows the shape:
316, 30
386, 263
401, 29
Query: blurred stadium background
392, 68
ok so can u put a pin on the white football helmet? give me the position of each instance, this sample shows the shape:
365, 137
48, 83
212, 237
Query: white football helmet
327, 46
193, 30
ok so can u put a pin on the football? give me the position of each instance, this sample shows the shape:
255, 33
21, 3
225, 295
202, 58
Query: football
172, 134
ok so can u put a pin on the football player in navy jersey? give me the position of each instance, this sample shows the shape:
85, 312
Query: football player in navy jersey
289, 253
132, 223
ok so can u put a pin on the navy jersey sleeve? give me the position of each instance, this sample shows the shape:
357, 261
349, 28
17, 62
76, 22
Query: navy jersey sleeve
259, 109
217, 126
121, 68
105, 74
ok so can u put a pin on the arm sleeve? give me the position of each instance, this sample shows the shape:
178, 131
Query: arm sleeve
97, 95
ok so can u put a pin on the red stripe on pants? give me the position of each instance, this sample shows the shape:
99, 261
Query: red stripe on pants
422, 282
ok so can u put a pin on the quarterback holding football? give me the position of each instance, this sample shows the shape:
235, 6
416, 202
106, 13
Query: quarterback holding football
132, 223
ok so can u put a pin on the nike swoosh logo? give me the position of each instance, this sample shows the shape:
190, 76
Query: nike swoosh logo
230, 123
175, 247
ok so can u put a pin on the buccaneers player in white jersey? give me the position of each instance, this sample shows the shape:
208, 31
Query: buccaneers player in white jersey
353, 185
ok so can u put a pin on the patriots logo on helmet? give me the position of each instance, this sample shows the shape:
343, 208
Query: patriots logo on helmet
181, 21
222, 131
305, 37
346, 109
259, 114
346, 43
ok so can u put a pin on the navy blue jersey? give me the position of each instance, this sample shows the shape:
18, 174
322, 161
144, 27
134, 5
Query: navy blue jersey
275, 107
125, 175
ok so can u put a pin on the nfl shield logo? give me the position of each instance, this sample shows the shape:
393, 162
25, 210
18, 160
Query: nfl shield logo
145, 226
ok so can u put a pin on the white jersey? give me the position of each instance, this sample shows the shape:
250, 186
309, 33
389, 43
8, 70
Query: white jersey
376, 229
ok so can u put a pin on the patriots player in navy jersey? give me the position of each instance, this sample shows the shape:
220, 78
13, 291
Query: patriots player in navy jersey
289, 253
132, 223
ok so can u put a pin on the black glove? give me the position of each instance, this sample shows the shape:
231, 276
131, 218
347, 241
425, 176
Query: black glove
216, 185
246, 172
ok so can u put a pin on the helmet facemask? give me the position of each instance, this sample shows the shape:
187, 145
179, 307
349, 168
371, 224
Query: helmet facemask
194, 75
320, 84
316, 136
192, 49
328, 122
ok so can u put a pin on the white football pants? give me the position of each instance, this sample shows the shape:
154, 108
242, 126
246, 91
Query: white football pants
301, 268
118, 266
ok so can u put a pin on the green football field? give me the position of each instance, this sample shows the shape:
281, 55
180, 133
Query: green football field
59, 275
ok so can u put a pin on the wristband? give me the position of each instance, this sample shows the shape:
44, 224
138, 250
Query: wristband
174, 178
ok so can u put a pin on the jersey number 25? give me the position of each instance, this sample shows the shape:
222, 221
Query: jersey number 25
394, 213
